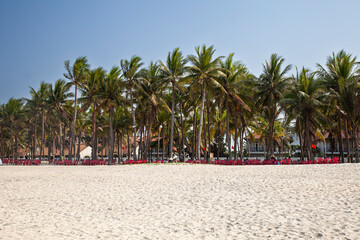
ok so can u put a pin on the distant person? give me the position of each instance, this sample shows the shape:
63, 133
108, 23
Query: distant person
0, 162
273, 158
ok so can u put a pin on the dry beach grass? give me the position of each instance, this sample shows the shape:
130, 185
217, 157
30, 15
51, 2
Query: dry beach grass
180, 202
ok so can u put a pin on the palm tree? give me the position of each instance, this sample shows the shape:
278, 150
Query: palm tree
111, 95
130, 69
13, 113
91, 98
342, 80
76, 74
233, 71
57, 99
150, 89
305, 101
39, 100
204, 70
269, 88
173, 72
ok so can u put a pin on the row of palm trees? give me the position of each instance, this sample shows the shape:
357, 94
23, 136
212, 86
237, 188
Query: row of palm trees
186, 103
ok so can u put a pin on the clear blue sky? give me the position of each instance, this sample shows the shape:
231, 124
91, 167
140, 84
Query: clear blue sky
36, 37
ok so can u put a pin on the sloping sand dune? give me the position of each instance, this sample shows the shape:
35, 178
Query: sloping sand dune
180, 202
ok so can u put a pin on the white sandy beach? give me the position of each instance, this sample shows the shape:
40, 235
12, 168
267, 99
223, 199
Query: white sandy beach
180, 202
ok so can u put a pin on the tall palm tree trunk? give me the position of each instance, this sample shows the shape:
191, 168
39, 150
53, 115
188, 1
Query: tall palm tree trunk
12, 141
158, 144
182, 133
356, 144
42, 135
60, 138
149, 137
341, 146
348, 154
16, 147
72, 140
34, 156
128, 140
2, 144
194, 136
118, 146
133, 119
236, 136
208, 128
270, 147
218, 144
201, 121
228, 139
111, 113
79, 144
172, 121
163, 150
121, 148
307, 138
241, 142
93, 139
54, 147
204, 136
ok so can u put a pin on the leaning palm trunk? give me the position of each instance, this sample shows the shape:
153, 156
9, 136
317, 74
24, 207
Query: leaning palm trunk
201, 122
72, 140
111, 152
172, 121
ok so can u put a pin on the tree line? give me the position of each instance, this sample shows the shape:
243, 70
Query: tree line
187, 104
